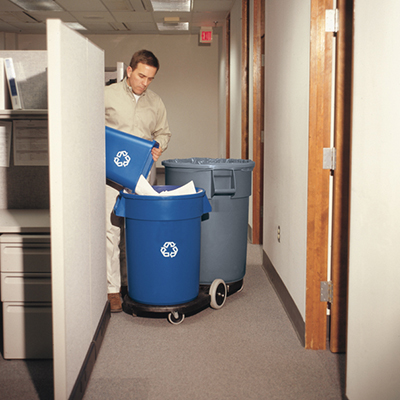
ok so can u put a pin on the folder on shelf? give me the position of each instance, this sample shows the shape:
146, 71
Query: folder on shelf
5, 101
12, 84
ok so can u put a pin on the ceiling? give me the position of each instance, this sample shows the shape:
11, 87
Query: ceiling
114, 16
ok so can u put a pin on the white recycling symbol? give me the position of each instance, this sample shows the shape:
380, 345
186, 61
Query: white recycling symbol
169, 249
122, 159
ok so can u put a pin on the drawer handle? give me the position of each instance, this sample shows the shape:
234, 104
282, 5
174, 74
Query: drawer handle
11, 280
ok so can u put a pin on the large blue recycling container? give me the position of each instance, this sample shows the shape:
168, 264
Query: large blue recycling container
227, 183
127, 157
162, 235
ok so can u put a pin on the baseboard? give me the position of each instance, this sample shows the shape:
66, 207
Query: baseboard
286, 299
87, 367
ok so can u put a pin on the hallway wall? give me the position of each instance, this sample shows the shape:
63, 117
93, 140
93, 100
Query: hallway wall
236, 80
222, 94
373, 351
286, 142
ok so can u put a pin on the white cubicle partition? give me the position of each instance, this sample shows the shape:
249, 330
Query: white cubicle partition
77, 200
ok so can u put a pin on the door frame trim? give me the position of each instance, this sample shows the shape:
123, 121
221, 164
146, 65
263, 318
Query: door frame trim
258, 127
318, 178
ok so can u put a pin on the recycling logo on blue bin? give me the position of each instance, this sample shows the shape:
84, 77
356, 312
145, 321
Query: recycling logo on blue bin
122, 159
169, 249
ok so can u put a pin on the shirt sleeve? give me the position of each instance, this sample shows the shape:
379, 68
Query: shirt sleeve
162, 133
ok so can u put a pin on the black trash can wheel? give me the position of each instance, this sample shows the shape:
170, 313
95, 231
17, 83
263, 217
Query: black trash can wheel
217, 293
175, 318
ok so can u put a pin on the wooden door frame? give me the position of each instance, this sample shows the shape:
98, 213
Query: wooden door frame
318, 178
258, 120
258, 101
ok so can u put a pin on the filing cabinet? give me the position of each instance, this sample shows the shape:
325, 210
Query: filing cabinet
25, 265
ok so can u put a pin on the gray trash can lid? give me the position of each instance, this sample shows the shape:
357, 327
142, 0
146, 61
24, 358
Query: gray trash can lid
210, 163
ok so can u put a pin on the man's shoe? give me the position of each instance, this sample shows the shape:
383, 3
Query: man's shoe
115, 302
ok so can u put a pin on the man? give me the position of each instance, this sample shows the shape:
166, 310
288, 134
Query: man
132, 108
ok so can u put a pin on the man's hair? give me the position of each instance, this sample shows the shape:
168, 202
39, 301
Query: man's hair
144, 57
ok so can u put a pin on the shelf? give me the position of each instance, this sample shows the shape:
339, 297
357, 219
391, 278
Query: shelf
23, 114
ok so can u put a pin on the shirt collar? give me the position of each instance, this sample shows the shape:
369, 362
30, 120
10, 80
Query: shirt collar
129, 89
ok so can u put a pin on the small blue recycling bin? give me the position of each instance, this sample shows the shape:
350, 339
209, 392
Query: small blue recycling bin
162, 235
127, 157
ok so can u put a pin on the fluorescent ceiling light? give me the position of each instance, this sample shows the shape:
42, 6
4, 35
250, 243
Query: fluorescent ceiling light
171, 20
171, 5
37, 5
180, 26
76, 26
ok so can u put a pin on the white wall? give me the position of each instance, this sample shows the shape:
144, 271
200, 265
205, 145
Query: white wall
236, 81
373, 355
286, 141
188, 83
222, 94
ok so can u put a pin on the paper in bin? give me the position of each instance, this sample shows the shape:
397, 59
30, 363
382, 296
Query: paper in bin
144, 188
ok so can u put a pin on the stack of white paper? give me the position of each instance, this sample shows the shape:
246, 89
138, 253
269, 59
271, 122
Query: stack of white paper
144, 188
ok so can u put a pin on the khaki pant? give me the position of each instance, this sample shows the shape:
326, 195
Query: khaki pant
115, 236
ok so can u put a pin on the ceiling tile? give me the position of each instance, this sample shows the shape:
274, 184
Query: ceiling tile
132, 16
141, 28
82, 5
93, 17
4, 27
212, 5
118, 5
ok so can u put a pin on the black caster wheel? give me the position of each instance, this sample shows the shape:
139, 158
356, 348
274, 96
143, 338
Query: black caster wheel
175, 318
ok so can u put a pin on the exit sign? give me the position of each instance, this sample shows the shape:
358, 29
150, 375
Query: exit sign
205, 35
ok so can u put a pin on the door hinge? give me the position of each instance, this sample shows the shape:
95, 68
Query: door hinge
329, 158
262, 136
331, 20
326, 291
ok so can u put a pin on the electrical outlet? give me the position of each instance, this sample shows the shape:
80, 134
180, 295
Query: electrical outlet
279, 234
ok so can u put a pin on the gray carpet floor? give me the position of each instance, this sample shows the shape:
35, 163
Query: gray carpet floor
245, 350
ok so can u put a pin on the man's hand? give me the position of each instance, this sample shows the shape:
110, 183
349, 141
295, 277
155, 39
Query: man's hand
156, 153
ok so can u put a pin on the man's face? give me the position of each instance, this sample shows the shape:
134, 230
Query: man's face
141, 77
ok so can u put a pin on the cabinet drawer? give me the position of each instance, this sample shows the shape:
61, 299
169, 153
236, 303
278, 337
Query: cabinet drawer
27, 330
25, 253
18, 286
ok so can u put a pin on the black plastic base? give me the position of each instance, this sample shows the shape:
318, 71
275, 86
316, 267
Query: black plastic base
234, 287
201, 302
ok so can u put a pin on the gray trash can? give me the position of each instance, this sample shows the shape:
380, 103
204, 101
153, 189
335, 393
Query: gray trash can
227, 183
